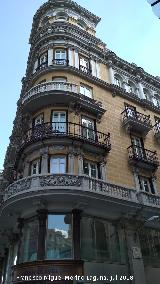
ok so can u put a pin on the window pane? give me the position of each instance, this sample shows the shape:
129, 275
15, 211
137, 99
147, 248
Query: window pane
28, 249
59, 237
58, 165
93, 170
86, 168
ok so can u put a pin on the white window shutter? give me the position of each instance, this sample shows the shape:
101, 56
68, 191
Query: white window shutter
93, 67
35, 66
98, 70
76, 59
50, 57
70, 56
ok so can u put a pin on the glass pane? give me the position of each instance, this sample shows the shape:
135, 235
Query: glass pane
87, 238
58, 165
28, 249
93, 170
86, 168
59, 237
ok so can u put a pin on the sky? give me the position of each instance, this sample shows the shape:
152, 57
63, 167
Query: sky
128, 27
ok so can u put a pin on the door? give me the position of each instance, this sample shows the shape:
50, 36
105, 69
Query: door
138, 147
59, 121
88, 129
130, 111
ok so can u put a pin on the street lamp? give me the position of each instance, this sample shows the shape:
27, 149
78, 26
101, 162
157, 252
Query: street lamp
155, 7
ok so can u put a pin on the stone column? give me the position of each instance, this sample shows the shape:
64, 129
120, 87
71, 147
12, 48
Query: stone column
44, 162
76, 217
135, 256
70, 56
50, 57
136, 179
141, 93
26, 168
111, 73
20, 228
80, 164
103, 171
76, 59
71, 159
42, 217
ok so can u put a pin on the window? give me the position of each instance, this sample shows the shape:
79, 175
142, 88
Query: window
146, 184
60, 57
61, 16
84, 65
59, 79
90, 169
43, 59
117, 81
100, 241
130, 111
29, 242
81, 24
36, 167
131, 87
59, 237
138, 147
88, 128
150, 246
156, 100
86, 91
38, 120
58, 165
148, 95
59, 121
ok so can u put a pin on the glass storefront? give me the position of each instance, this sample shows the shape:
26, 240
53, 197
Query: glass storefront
59, 237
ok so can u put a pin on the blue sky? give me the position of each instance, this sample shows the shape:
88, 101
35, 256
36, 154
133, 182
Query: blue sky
128, 27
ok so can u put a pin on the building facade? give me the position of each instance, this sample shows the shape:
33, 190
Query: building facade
81, 179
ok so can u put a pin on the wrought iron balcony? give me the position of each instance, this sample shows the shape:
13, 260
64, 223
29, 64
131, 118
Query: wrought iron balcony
70, 130
42, 66
157, 131
143, 158
135, 121
60, 62
48, 87
85, 69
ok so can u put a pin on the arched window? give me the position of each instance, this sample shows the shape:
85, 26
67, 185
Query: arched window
81, 24
148, 95
131, 87
118, 80
156, 100
61, 16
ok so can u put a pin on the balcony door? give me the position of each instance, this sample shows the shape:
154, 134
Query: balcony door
138, 147
60, 56
59, 121
88, 128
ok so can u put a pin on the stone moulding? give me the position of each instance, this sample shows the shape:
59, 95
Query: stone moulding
34, 184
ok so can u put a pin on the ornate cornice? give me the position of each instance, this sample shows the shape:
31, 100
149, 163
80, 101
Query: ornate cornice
60, 3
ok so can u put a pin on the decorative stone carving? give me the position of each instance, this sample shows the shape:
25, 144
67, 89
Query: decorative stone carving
21, 185
55, 180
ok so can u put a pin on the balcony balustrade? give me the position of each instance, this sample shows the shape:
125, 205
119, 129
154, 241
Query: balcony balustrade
156, 129
143, 158
67, 129
42, 66
42, 183
135, 121
50, 86
60, 62
85, 69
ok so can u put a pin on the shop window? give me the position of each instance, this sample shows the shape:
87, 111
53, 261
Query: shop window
29, 242
59, 237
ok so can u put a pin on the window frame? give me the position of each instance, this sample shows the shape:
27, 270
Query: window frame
85, 87
58, 156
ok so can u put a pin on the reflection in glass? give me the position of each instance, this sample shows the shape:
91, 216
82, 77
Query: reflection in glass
28, 248
59, 237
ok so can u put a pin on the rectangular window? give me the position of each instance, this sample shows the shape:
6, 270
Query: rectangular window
59, 121
59, 237
88, 128
60, 57
35, 167
84, 65
38, 120
86, 91
90, 169
29, 242
138, 147
146, 184
58, 165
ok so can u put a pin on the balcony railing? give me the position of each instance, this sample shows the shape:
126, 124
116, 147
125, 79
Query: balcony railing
139, 154
136, 121
67, 129
82, 183
50, 86
60, 62
42, 66
85, 69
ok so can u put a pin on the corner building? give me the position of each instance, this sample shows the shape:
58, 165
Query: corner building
81, 179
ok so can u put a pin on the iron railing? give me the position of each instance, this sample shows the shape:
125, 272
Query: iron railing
60, 62
42, 66
131, 113
67, 129
142, 154
156, 128
85, 69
